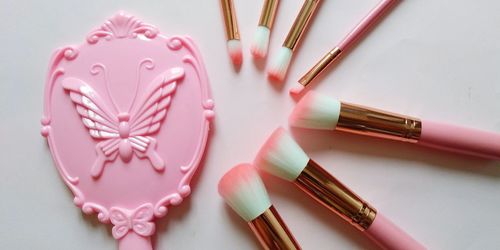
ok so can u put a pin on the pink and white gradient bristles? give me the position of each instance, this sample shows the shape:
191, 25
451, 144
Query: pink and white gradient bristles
282, 157
243, 190
235, 51
260, 42
279, 66
317, 111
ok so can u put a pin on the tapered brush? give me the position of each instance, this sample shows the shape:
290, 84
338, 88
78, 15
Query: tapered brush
281, 156
232, 33
316, 111
261, 39
279, 66
346, 44
243, 190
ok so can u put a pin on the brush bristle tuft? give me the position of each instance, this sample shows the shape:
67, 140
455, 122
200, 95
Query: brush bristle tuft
281, 156
295, 91
260, 42
243, 190
279, 66
235, 51
316, 111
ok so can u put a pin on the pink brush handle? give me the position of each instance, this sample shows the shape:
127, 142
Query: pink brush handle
461, 140
389, 236
366, 23
133, 241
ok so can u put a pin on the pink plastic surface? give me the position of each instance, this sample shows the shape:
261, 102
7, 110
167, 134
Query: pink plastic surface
126, 117
368, 21
460, 139
389, 236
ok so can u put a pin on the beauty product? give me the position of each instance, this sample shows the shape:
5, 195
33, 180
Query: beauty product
346, 44
279, 66
126, 117
261, 38
232, 32
317, 111
243, 190
283, 157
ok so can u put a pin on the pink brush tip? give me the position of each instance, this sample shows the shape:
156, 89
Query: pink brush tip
232, 179
257, 53
235, 51
297, 90
301, 108
236, 57
276, 76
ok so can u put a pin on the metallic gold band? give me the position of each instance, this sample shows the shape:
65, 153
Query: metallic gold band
368, 121
268, 13
334, 195
230, 20
272, 231
320, 66
300, 23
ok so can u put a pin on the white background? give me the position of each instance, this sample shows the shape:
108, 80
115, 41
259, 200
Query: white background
436, 59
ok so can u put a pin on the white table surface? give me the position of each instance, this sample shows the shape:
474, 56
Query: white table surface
436, 59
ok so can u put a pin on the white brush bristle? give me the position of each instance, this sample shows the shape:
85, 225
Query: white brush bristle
260, 42
235, 51
281, 156
279, 66
316, 111
243, 190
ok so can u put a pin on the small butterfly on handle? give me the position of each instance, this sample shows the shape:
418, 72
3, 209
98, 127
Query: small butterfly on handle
139, 221
128, 132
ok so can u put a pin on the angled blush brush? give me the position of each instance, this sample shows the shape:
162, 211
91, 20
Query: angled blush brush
281, 156
316, 111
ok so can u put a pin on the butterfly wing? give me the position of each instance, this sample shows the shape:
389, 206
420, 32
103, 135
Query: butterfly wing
141, 220
120, 221
96, 117
100, 122
147, 117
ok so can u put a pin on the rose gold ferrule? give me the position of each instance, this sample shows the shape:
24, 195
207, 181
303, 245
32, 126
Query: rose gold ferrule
373, 122
300, 23
268, 13
329, 58
272, 231
232, 32
334, 195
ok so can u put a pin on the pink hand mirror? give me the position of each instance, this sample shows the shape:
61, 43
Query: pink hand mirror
126, 117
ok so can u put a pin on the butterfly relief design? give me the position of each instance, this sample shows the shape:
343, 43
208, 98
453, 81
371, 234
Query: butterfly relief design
125, 133
138, 221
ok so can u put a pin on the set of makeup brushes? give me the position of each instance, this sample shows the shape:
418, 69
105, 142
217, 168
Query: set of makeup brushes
243, 189
281, 156
280, 63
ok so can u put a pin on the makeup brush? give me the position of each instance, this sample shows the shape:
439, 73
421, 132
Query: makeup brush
283, 157
261, 39
279, 66
317, 111
243, 190
346, 44
232, 33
